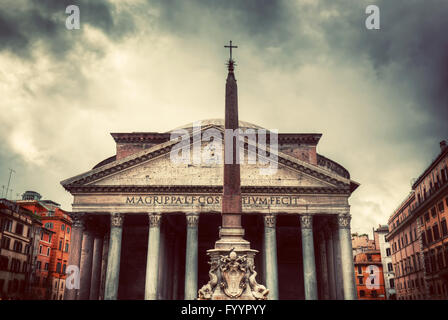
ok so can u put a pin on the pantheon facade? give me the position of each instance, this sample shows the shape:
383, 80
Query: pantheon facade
143, 223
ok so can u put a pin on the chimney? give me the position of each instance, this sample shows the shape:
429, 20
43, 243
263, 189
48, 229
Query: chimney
442, 145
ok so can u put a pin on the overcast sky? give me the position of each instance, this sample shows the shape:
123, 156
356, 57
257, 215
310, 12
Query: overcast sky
379, 97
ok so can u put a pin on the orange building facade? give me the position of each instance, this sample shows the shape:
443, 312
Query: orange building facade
40, 287
54, 247
419, 236
369, 275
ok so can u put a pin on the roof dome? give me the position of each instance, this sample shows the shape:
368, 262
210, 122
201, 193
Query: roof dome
221, 123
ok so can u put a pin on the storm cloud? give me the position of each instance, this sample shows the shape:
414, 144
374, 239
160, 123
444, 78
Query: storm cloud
378, 96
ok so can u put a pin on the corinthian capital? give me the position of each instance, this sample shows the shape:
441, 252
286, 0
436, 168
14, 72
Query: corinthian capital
344, 221
269, 220
116, 220
192, 220
306, 221
78, 220
154, 220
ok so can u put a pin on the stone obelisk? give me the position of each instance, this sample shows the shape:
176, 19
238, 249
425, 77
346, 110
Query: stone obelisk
232, 272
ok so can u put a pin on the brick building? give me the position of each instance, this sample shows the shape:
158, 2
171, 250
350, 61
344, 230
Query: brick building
418, 235
361, 243
369, 275
54, 248
40, 286
18, 228
386, 259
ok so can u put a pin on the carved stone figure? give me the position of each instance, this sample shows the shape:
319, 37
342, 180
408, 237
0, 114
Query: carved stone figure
206, 292
259, 291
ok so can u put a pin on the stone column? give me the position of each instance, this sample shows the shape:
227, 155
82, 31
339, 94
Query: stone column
74, 259
309, 265
113, 257
96, 267
330, 262
161, 264
86, 264
270, 256
104, 265
191, 257
339, 283
176, 267
152, 260
348, 269
324, 267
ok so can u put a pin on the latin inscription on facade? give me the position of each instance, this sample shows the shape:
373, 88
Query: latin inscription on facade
211, 200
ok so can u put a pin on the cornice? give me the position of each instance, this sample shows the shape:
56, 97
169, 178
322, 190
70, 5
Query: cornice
80, 189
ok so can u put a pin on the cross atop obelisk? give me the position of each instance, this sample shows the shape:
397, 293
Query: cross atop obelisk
230, 46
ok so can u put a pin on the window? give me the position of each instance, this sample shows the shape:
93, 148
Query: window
429, 235
19, 228
435, 230
360, 280
66, 247
362, 293
48, 251
39, 265
446, 255
392, 283
390, 267
63, 227
63, 268
46, 266
68, 230
426, 216
60, 244
441, 208
433, 212
49, 237
58, 267
8, 225
388, 252
444, 228
17, 246
4, 262
6, 243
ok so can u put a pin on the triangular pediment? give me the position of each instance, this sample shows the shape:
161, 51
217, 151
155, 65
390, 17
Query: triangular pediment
155, 167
